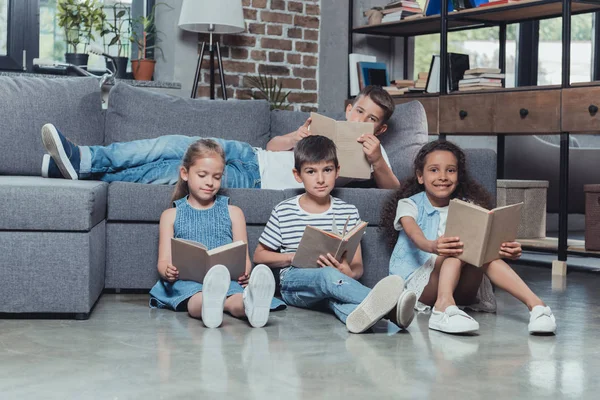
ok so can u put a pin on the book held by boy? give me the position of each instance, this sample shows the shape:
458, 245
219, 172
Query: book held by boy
482, 231
352, 159
193, 260
316, 242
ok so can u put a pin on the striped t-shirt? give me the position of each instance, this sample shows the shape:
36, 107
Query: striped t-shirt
288, 221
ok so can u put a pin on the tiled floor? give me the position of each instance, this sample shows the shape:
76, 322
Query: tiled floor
127, 351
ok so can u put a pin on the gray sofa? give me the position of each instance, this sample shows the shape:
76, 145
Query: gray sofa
63, 242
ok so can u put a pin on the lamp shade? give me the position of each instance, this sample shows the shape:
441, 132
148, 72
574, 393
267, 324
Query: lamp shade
227, 16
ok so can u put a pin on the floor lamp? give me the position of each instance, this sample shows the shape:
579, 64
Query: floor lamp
212, 17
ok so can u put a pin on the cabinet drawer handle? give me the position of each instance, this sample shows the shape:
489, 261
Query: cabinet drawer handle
593, 109
523, 112
462, 114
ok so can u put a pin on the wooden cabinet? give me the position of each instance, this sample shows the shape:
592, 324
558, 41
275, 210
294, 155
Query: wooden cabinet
580, 110
431, 106
468, 114
527, 112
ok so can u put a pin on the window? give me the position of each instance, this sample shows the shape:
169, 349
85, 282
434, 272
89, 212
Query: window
3, 26
482, 46
550, 50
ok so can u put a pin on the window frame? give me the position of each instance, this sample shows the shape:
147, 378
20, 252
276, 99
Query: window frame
22, 45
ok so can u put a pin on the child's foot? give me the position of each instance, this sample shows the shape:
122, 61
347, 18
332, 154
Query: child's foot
65, 154
258, 295
404, 312
214, 292
380, 301
542, 320
452, 320
49, 168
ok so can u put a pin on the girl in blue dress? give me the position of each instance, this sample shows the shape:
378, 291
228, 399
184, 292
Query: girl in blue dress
201, 215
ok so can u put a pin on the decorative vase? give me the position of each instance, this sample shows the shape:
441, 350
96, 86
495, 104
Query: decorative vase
143, 69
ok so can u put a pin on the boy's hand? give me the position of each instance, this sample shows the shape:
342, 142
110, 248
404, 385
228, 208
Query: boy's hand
302, 132
243, 280
371, 147
511, 250
447, 246
329, 260
171, 274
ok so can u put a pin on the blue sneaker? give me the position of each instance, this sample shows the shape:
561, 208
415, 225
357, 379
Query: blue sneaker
65, 154
49, 168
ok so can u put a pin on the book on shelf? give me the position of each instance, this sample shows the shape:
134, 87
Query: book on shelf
477, 87
395, 91
422, 75
496, 2
402, 83
434, 7
482, 231
350, 153
476, 71
353, 60
488, 76
401, 3
316, 242
476, 81
372, 73
457, 65
193, 260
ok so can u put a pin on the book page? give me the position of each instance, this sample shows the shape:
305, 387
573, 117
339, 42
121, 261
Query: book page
322, 125
232, 255
189, 259
505, 223
352, 159
314, 243
470, 223
351, 241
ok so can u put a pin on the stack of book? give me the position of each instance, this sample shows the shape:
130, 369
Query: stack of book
397, 10
481, 79
497, 2
421, 82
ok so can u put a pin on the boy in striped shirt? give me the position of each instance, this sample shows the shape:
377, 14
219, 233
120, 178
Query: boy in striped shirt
333, 285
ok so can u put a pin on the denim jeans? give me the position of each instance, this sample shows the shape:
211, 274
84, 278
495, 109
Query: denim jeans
158, 160
315, 287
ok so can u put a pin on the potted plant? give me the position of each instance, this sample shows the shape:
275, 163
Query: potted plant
79, 19
146, 37
269, 89
117, 23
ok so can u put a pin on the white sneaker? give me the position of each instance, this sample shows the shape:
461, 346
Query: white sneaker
405, 308
453, 320
214, 292
380, 301
541, 320
258, 295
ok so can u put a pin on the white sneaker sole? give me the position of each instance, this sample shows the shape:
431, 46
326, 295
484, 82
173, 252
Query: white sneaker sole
261, 289
382, 299
45, 165
214, 291
405, 310
54, 146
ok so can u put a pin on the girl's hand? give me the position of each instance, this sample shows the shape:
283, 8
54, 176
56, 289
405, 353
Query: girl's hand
447, 246
330, 261
243, 280
511, 250
171, 274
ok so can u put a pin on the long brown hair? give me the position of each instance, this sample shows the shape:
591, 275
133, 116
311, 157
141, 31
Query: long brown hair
202, 148
466, 187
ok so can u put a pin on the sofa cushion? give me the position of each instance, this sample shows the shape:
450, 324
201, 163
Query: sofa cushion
135, 113
406, 133
135, 202
26, 104
40, 204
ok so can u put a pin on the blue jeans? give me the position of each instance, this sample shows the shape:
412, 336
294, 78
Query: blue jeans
316, 287
158, 160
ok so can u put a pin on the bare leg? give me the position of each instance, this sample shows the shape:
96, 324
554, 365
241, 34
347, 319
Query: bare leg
195, 305
503, 276
234, 305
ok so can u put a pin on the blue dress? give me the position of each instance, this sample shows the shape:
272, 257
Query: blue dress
211, 227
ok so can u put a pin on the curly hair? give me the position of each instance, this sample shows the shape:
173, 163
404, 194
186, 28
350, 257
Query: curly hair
466, 188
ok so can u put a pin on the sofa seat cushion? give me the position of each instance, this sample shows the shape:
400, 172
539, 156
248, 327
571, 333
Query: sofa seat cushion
135, 202
40, 204
135, 113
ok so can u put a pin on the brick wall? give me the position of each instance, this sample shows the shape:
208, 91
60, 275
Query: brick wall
282, 40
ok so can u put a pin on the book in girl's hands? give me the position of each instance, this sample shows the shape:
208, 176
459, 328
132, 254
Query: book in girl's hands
193, 259
353, 163
316, 242
482, 231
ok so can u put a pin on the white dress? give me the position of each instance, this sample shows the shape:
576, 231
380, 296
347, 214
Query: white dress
418, 280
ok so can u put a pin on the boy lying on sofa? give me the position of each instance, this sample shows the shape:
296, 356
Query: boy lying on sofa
157, 161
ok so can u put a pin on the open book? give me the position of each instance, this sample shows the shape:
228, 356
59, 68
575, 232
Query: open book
316, 242
350, 153
193, 260
482, 231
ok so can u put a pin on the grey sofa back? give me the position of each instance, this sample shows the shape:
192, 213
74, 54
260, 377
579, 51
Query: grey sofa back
26, 104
